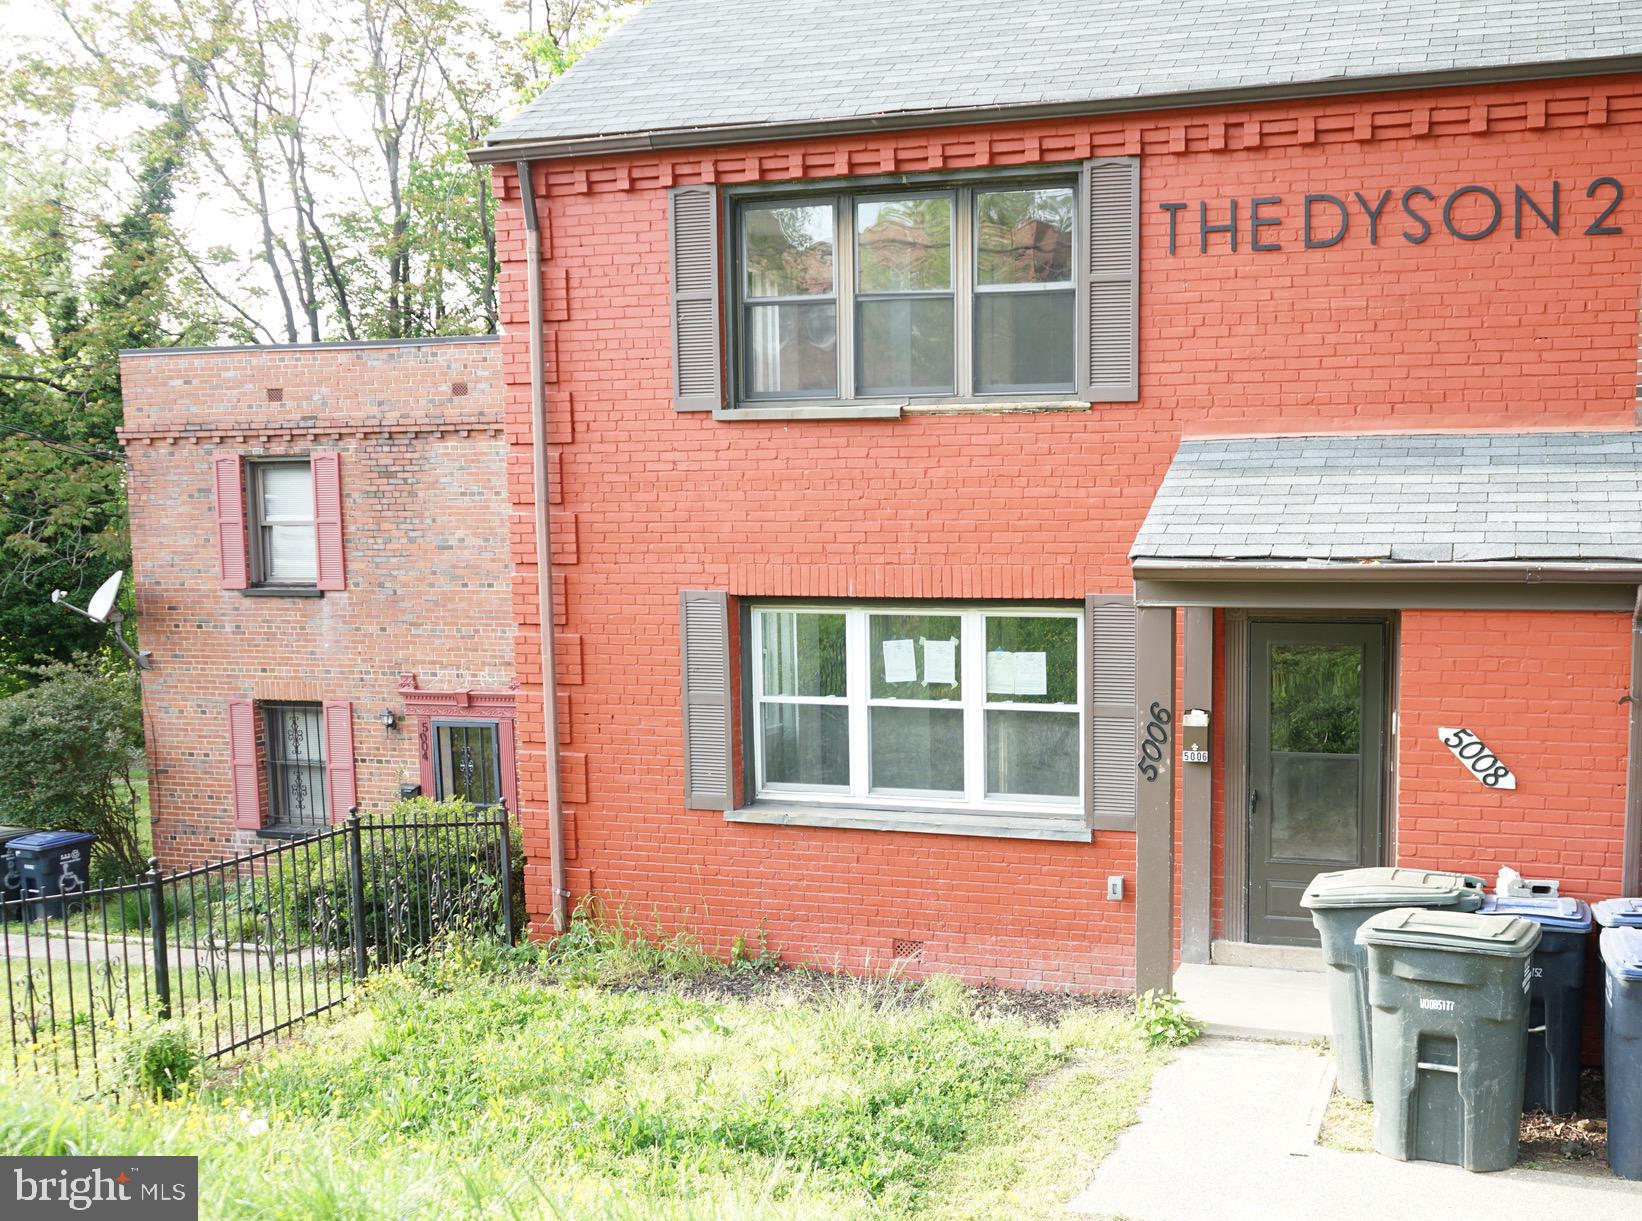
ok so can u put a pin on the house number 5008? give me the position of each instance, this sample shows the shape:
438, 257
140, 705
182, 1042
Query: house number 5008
1484, 764
1157, 738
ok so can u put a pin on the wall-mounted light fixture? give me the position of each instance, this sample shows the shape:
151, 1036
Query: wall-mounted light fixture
388, 718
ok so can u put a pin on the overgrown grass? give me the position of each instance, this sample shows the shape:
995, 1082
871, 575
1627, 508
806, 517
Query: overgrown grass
485, 1081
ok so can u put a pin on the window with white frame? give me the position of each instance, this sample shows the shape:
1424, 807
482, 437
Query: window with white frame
961, 291
923, 706
284, 549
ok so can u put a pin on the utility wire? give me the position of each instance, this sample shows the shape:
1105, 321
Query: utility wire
100, 454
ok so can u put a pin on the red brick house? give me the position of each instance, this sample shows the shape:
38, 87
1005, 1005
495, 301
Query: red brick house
321, 548
1022, 505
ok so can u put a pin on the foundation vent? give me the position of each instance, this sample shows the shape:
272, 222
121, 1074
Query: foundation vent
458, 390
275, 394
904, 950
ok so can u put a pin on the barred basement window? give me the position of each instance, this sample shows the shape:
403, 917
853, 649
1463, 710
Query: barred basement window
295, 745
926, 706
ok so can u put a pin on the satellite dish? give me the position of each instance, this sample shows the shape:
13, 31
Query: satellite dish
102, 602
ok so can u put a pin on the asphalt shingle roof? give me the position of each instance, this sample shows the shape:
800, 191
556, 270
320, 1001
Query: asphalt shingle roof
677, 65
1420, 498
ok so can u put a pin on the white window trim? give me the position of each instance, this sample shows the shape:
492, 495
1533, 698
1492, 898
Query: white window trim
974, 704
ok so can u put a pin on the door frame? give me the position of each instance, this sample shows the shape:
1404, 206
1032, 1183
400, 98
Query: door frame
440, 781
1235, 802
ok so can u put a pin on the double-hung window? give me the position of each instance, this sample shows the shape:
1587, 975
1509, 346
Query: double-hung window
896, 293
955, 709
284, 549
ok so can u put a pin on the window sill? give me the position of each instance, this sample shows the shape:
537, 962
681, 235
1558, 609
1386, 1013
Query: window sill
290, 831
992, 824
846, 410
827, 410
1000, 407
282, 591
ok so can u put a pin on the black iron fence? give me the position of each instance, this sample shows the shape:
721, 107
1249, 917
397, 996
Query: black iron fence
246, 948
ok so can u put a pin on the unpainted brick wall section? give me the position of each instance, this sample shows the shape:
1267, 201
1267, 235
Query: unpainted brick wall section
428, 592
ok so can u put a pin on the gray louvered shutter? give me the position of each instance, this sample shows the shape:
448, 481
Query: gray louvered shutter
1109, 345
705, 632
692, 226
1109, 629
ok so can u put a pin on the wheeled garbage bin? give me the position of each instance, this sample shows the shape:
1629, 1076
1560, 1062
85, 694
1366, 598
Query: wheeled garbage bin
1339, 903
10, 883
1622, 1046
1556, 997
1618, 913
53, 869
1450, 997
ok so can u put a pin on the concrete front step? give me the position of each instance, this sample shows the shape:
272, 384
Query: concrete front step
1264, 1003
1280, 957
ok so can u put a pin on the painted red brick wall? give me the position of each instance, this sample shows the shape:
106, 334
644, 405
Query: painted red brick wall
1531, 332
1542, 690
424, 503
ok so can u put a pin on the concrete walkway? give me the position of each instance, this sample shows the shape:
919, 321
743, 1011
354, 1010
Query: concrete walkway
1268, 1003
1228, 1134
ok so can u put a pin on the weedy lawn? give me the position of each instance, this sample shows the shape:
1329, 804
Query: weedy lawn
617, 1078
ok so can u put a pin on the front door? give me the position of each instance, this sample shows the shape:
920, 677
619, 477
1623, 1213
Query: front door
1316, 764
467, 761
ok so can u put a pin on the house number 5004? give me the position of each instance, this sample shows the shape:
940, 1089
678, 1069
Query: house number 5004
1152, 745
1484, 764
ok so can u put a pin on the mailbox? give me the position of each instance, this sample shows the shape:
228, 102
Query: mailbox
1194, 736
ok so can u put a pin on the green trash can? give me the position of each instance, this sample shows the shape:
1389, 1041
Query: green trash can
1339, 903
1450, 997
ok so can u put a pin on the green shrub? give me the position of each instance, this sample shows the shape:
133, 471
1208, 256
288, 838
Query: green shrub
417, 886
68, 747
158, 1060
1162, 1020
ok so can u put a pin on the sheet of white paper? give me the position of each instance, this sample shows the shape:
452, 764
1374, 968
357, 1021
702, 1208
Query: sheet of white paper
1000, 673
940, 662
1031, 674
900, 662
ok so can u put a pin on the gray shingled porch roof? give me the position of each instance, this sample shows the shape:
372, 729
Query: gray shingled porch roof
1571, 497
709, 66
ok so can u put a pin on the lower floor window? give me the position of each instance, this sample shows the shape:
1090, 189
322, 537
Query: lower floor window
468, 761
295, 744
941, 706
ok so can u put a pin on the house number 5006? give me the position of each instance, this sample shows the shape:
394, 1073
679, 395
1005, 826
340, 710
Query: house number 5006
1152, 745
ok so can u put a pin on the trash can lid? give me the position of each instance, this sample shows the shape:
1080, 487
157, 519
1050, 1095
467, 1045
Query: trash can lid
1460, 932
1391, 886
39, 841
1554, 914
1622, 951
1611, 913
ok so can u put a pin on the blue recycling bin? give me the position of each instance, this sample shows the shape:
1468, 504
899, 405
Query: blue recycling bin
53, 870
1618, 913
1556, 997
10, 883
1622, 1046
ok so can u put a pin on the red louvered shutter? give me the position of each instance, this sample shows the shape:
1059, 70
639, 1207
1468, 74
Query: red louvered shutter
339, 771
242, 764
327, 469
232, 554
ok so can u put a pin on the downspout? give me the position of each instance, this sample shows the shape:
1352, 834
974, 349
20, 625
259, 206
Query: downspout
544, 543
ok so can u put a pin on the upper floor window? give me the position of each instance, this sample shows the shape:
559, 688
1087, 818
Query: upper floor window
945, 293
284, 550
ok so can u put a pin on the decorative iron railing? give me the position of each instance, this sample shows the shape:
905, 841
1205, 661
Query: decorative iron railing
246, 948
